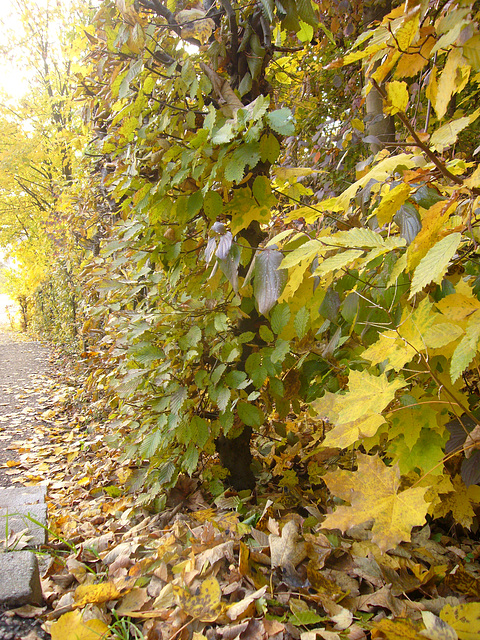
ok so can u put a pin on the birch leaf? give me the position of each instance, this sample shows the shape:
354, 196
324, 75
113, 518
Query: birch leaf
434, 264
447, 135
467, 348
440, 334
338, 261
391, 203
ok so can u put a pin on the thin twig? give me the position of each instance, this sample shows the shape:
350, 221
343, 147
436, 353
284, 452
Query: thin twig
428, 152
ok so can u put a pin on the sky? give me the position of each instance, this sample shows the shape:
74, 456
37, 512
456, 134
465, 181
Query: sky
14, 80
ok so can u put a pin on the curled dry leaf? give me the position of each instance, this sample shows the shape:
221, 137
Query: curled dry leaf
288, 549
472, 442
234, 611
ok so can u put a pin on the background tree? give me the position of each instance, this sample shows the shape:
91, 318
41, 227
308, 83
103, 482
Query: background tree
41, 139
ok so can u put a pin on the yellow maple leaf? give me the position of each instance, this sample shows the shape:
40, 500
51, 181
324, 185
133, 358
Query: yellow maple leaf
357, 413
459, 502
367, 395
71, 626
343, 435
373, 494
96, 593
296, 275
399, 346
464, 618
389, 347
205, 604
441, 334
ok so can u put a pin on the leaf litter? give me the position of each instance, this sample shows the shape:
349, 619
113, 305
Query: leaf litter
247, 566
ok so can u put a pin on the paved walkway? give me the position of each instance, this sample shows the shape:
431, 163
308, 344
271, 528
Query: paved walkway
23, 398
23, 375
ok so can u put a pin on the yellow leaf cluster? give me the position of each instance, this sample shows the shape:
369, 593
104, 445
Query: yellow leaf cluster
357, 413
373, 494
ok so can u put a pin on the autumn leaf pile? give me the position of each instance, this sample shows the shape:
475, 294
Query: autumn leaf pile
243, 565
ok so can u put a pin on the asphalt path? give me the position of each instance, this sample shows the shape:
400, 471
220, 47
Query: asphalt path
24, 368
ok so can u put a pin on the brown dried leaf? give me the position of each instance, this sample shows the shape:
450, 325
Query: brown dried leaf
287, 549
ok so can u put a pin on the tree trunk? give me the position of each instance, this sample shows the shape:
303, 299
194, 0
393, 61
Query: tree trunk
378, 125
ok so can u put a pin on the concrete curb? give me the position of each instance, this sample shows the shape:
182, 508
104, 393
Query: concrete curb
23, 520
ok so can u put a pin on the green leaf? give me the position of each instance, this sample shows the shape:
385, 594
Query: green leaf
249, 414
190, 458
262, 191
247, 154
266, 334
338, 261
306, 12
217, 373
302, 322
302, 618
306, 32
177, 399
267, 9
269, 148
247, 336
258, 108
467, 348
150, 444
246, 84
235, 379
223, 396
282, 121
224, 134
425, 454
282, 347
220, 322
277, 387
199, 431
191, 339
234, 170
433, 265
165, 473
280, 317
194, 204
147, 353
213, 205
408, 220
